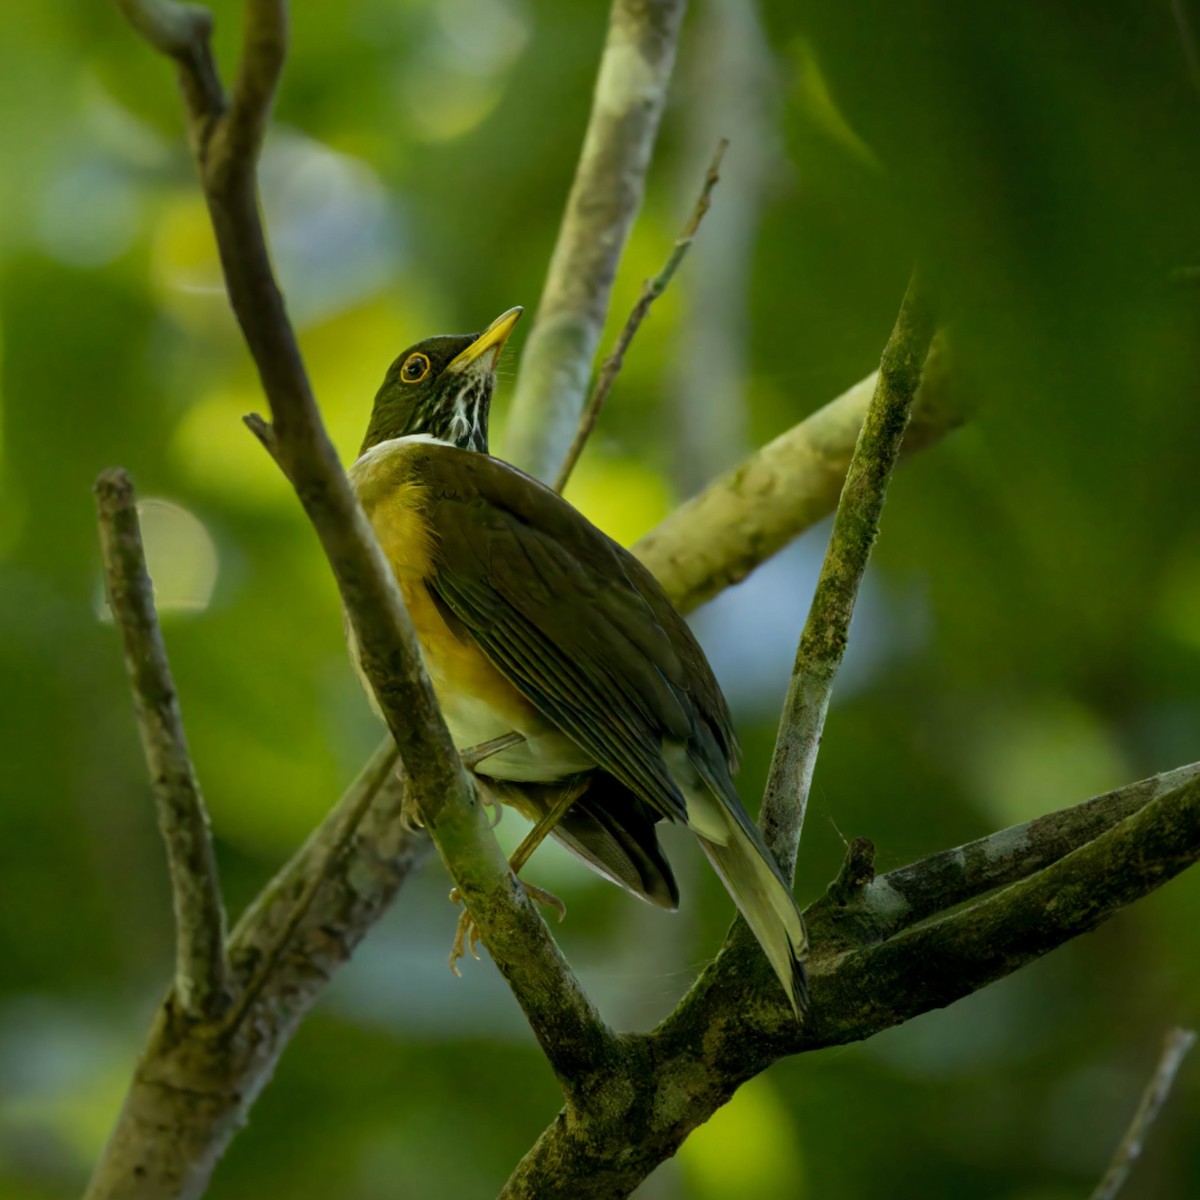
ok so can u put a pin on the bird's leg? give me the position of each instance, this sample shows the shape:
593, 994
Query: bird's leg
472, 756
467, 934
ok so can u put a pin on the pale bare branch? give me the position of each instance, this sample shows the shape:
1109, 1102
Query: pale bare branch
556, 364
755, 509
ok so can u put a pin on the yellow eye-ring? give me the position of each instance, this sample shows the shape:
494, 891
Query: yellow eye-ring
416, 367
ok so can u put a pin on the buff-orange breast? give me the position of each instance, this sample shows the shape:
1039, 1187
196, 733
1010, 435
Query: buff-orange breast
478, 702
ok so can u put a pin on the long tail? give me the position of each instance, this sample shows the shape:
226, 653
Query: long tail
741, 858
752, 878
747, 869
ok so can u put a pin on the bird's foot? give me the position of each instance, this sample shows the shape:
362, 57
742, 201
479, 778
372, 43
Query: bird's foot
410, 814
466, 936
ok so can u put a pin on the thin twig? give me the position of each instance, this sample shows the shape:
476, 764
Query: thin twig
651, 290
201, 970
556, 364
354, 806
855, 526
1175, 1048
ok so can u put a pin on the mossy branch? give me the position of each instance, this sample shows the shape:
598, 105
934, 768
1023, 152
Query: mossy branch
855, 527
202, 986
729, 1027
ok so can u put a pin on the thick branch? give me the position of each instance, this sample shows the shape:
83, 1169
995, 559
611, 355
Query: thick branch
201, 971
651, 290
855, 527
752, 511
877, 987
729, 1027
609, 180
191, 1092
890, 903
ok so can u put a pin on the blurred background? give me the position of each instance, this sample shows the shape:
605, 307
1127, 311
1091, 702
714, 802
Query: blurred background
1029, 636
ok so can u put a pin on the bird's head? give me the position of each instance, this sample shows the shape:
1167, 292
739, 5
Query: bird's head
442, 387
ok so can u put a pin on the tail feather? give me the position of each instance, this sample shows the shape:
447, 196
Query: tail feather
750, 875
610, 829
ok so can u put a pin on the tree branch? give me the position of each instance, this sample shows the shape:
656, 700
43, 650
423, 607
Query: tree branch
182, 32
729, 1027
201, 970
968, 949
651, 290
823, 641
556, 364
887, 904
1175, 1049
363, 793
193, 1086
752, 511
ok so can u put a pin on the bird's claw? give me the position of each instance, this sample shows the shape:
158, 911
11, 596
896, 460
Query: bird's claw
466, 934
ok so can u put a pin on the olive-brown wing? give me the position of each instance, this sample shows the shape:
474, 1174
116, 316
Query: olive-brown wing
573, 622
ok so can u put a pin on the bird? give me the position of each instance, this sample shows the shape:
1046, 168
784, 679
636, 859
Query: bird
566, 677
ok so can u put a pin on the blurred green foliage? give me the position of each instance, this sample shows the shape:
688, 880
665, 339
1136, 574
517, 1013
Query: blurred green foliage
1031, 633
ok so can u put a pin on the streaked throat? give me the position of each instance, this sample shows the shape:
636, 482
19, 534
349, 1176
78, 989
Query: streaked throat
465, 419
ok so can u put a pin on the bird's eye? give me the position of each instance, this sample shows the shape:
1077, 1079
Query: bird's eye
416, 367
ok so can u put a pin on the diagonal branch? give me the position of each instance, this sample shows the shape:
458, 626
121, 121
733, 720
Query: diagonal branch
876, 987
193, 1088
855, 527
182, 32
201, 970
651, 290
556, 364
566, 1024
887, 904
755, 509
1175, 1049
